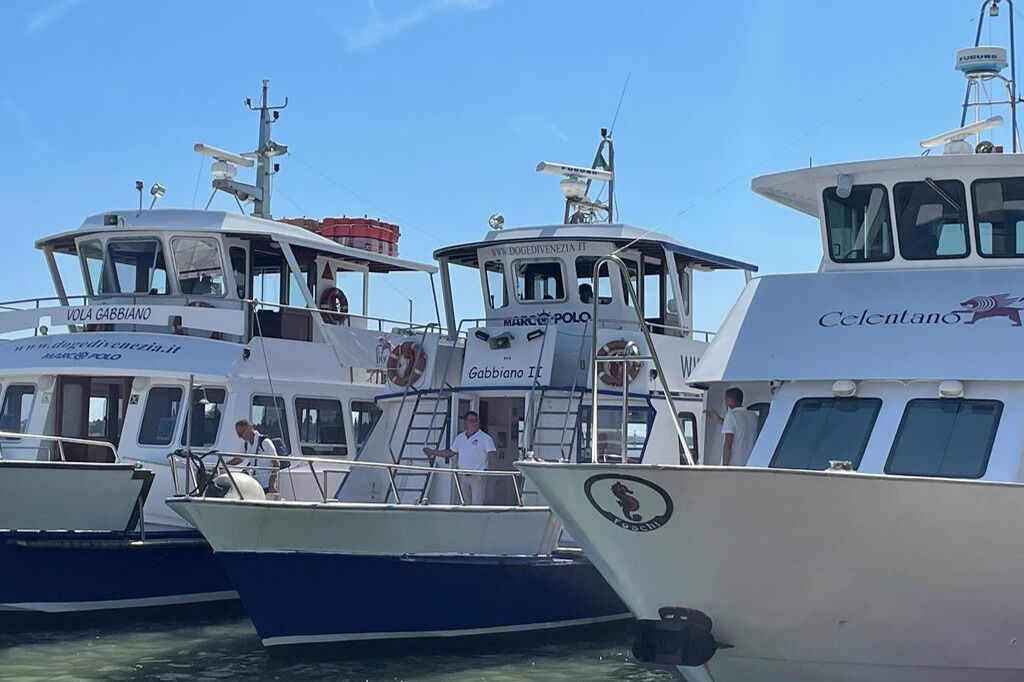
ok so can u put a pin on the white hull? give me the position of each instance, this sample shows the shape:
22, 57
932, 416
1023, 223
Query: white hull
812, 576
377, 529
69, 496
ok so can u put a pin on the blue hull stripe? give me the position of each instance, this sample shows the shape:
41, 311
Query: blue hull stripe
295, 598
61, 571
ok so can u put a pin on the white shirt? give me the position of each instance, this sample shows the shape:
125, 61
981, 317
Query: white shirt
472, 450
742, 424
259, 467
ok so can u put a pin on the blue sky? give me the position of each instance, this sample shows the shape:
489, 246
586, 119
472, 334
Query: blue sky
433, 113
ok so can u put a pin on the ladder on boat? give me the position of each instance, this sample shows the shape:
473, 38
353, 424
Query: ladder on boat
428, 427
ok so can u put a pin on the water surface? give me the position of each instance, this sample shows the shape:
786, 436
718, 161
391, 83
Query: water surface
226, 649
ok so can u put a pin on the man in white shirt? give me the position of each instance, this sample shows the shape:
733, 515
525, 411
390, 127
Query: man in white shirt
473, 447
264, 467
739, 426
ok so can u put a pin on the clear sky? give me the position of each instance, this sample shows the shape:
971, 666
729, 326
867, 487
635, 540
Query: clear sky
433, 113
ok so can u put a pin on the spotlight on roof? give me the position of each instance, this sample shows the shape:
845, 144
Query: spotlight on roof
496, 221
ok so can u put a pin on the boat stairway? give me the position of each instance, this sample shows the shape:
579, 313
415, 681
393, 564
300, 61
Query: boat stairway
554, 428
428, 426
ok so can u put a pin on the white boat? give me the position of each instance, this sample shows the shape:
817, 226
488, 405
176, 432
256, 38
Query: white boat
191, 319
873, 534
429, 567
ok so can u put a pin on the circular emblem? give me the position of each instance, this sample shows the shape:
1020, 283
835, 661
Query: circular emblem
629, 502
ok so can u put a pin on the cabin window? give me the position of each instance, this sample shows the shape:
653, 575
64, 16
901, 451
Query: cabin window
161, 415
688, 422
17, 407
321, 427
494, 273
999, 217
205, 416
609, 434
365, 415
199, 267
133, 266
858, 226
762, 410
944, 437
585, 281
823, 429
91, 253
652, 295
239, 261
539, 280
931, 217
268, 416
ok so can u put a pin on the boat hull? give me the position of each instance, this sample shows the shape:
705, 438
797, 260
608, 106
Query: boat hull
71, 495
48, 576
348, 573
830, 577
350, 600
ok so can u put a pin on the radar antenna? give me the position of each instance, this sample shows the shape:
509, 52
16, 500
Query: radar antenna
982, 65
225, 163
577, 180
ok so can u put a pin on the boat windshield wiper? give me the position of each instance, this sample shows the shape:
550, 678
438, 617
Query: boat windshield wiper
945, 197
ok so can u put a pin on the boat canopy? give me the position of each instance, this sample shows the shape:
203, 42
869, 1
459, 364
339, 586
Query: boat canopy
802, 188
232, 224
637, 238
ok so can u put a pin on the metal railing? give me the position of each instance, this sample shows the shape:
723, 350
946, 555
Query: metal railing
6, 438
220, 458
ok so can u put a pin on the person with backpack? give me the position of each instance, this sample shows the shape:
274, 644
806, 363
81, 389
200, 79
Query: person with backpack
262, 466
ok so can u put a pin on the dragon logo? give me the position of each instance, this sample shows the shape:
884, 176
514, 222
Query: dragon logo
1000, 305
626, 500
630, 502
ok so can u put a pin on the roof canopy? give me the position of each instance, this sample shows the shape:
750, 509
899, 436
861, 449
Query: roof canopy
645, 241
800, 189
189, 221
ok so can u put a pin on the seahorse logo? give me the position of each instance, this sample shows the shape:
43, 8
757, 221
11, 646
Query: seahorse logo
629, 504
1000, 305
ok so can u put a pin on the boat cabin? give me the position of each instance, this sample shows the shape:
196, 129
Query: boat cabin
892, 358
525, 366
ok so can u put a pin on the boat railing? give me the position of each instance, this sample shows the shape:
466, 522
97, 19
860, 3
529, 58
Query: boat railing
15, 440
196, 472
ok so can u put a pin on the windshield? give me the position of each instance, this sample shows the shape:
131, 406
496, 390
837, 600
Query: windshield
199, 267
127, 266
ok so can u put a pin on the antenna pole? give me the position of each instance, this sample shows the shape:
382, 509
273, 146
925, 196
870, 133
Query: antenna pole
267, 149
611, 183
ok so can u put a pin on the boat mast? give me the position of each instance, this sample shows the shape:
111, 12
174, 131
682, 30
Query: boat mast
266, 150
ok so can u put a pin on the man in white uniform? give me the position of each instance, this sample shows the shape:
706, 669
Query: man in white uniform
473, 448
739, 426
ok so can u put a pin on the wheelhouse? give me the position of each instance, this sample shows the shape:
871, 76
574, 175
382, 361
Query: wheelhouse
889, 361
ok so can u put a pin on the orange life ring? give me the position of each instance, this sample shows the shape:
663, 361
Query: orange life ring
334, 303
610, 373
406, 363
216, 336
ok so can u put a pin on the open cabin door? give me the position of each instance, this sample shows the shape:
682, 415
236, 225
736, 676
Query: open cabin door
91, 408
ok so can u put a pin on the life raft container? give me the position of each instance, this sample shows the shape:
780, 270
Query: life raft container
406, 363
610, 373
334, 303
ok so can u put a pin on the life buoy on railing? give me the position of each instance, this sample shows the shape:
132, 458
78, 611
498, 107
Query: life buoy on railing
610, 373
216, 336
334, 303
406, 363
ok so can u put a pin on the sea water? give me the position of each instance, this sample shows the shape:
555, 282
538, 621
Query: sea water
228, 649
